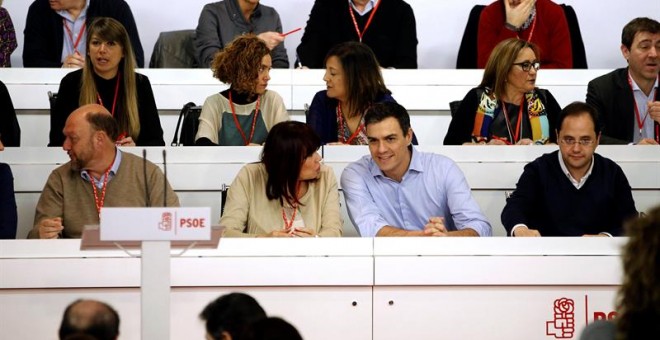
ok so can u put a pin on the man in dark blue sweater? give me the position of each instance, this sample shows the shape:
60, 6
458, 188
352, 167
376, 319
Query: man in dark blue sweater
573, 191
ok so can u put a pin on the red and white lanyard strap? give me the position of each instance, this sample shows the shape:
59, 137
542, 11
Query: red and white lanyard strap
514, 138
366, 26
289, 223
238, 125
70, 34
342, 126
114, 100
531, 31
98, 201
638, 116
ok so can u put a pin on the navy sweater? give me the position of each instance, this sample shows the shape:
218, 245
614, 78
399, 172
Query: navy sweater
547, 201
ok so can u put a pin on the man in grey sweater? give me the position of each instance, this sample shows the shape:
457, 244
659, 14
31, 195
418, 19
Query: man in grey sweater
97, 175
221, 22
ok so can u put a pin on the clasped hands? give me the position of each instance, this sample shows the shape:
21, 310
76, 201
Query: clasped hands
435, 227
292, 232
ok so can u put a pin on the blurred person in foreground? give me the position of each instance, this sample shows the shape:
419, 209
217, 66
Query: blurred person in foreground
638, 300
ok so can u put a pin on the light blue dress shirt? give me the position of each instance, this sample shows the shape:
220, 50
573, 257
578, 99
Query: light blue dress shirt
76, 29
642, 101
432, 186
113, 171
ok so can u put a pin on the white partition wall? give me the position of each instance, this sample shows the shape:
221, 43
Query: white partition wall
305, 282
426, 94
492, 288
334, 288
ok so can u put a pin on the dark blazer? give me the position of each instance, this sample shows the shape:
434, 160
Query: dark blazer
610, 94
10, 131
44, 33
8, 214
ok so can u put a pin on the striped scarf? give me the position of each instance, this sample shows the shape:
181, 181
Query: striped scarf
489, 108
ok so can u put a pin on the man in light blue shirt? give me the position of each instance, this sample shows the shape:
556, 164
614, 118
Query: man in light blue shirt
399, 191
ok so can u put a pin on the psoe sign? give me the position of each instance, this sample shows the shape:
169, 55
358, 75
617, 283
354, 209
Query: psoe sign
155, 224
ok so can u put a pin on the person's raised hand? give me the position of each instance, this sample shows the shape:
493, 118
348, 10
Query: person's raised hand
517, 11
272, 39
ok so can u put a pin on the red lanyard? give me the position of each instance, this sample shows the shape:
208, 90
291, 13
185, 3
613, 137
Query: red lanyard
288, 223
238, 125
343, 125
114, 101
80, 34
531, 31
514, 138
357, 29
99, 202
640, 120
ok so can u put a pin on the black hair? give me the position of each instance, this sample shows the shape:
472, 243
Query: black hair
380, 111
231, 313
287, 145
575, 109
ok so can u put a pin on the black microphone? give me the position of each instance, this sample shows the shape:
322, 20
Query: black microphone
146, 180
165, 178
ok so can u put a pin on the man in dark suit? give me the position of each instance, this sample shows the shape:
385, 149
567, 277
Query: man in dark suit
628, 99
8, 213
10, 131
56, 30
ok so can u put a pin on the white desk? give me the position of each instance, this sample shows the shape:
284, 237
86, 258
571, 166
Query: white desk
341, 288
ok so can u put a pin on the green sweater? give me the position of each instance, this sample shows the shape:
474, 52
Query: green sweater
68, 196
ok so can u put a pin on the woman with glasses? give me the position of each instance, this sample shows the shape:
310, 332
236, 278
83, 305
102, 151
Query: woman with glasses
506, 108
288, 194
244, 113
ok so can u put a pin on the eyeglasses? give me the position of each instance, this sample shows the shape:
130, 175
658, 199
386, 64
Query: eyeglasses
527, 65
571, 141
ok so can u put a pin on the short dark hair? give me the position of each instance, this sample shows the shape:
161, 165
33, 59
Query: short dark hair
102, 325
635, 26
100, 121
231, 313
287, 145
380, 111
273, 328
575, 109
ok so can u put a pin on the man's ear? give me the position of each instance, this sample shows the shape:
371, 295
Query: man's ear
409, 136
557, 133
625, 52
100, 137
